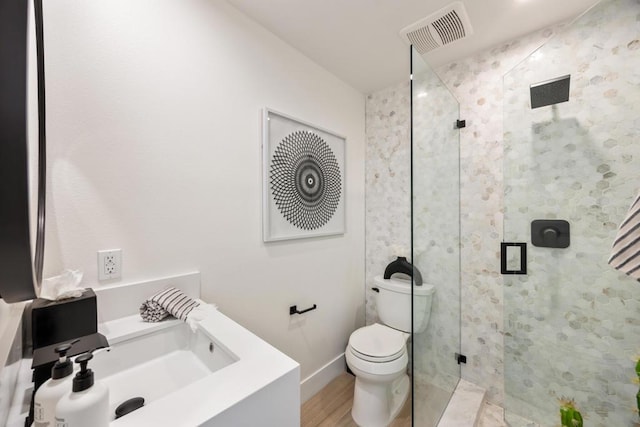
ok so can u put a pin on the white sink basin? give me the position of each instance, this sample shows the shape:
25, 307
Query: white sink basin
243, 382
158, 362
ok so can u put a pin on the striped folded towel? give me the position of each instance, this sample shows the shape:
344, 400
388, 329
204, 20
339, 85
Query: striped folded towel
625, 255
170, 302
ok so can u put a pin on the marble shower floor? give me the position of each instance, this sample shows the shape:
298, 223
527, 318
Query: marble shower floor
493, 416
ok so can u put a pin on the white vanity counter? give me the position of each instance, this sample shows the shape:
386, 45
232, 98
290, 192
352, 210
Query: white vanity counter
222, 375
253, 384
257, 386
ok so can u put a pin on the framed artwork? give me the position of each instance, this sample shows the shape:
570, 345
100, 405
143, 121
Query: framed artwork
303, 175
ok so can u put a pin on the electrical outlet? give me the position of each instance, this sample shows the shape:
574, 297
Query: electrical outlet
109, 264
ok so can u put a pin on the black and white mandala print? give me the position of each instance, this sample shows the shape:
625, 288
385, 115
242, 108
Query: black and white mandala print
305, 180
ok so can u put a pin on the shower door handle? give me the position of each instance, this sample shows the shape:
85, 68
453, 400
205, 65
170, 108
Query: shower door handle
504, 255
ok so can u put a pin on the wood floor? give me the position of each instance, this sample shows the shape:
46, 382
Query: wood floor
331, 407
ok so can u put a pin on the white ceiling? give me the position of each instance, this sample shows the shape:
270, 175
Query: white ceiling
358, 40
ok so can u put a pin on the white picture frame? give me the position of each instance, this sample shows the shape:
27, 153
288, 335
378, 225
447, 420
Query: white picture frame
303, 179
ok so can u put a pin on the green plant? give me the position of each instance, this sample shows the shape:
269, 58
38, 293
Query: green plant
570, 416
638, 379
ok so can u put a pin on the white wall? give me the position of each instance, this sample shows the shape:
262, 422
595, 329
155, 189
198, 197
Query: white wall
10, 355
154, 147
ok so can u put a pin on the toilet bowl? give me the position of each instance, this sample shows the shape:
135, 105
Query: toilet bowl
377, 354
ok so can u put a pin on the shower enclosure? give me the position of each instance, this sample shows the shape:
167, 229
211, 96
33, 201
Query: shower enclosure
572, 322
435, 239
571, 122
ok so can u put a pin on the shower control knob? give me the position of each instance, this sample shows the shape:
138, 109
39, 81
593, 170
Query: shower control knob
549, 235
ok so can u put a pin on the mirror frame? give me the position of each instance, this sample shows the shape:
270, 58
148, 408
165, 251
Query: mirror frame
20, 269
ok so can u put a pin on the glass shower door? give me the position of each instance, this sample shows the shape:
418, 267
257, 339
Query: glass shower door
435, 220
572, 328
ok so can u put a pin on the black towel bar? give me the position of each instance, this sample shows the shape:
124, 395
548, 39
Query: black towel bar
294, 309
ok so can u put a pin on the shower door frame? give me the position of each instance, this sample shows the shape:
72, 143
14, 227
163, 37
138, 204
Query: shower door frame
445, 355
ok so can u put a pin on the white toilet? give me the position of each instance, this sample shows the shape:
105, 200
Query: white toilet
377, 354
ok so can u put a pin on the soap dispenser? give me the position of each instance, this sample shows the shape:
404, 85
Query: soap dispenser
88, 402
51, 391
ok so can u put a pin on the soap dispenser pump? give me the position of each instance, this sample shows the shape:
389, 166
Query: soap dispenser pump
88, 402
51, 391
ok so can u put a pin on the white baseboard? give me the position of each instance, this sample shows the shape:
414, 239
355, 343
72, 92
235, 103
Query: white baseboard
320, 378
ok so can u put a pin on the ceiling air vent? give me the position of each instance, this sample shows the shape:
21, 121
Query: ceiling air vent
447, 25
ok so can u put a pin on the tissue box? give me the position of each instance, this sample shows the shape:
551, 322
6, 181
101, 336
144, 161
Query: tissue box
58, 321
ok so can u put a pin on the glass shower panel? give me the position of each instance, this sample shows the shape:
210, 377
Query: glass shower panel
435, 241
572, 324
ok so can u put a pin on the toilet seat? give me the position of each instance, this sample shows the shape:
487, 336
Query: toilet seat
378, 343
368, 358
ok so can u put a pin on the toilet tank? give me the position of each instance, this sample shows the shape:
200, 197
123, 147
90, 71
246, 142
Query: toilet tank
393, 302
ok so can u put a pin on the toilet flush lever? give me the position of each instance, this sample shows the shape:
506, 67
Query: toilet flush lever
294, 309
